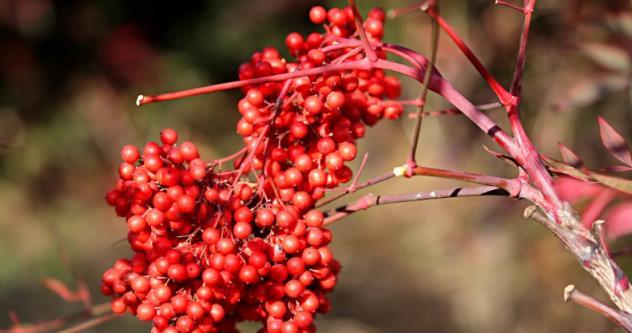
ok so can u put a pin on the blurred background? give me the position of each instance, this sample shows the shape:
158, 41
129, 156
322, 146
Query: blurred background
69, 75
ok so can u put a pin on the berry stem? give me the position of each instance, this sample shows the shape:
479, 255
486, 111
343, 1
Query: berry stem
368, 48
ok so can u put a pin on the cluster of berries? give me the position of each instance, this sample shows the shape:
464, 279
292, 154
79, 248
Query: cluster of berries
213, 247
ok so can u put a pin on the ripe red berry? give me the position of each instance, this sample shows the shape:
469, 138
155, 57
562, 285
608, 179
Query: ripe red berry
177, 272
130, 154
242, 230
313, 105
189, 150
210, 236
248, 274
286, 219
318, 15
168, 136
335, 100
314, 218
347, 150
294, 41
265, 218
145, 312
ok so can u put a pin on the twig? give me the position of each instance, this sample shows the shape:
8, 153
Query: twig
516, 83
509, 5
97, 311
371, 200
88, 324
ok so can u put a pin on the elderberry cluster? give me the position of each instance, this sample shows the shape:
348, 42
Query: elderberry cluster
216, 247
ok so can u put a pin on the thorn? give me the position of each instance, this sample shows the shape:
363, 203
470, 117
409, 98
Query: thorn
139, 100
568, 291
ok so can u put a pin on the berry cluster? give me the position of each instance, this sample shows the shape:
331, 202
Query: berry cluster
214, 247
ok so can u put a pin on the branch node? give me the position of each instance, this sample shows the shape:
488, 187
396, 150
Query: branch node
568, 291
529, 211
400, 171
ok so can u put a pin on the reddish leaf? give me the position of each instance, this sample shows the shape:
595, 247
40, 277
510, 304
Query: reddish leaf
614, 142
593, 211
569, 157
572, 190
619, 221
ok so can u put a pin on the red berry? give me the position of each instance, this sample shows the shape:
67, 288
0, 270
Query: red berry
313, 105
335, 100
286, 219
189, 150
168, 136
130, 154
145, 312
294, 41
265, 218
242, 230
318, 15
248, 274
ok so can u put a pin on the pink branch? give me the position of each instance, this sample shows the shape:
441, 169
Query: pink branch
622, 319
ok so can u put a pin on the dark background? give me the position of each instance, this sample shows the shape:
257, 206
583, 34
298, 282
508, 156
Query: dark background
69, 75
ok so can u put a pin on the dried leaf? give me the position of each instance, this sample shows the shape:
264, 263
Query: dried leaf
623, 185
610, 57
614, 142
569, 157
617, 168
564, 169
621, 22
500, 156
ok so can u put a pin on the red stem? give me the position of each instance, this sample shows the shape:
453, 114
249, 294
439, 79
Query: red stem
368, 48
503, 95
